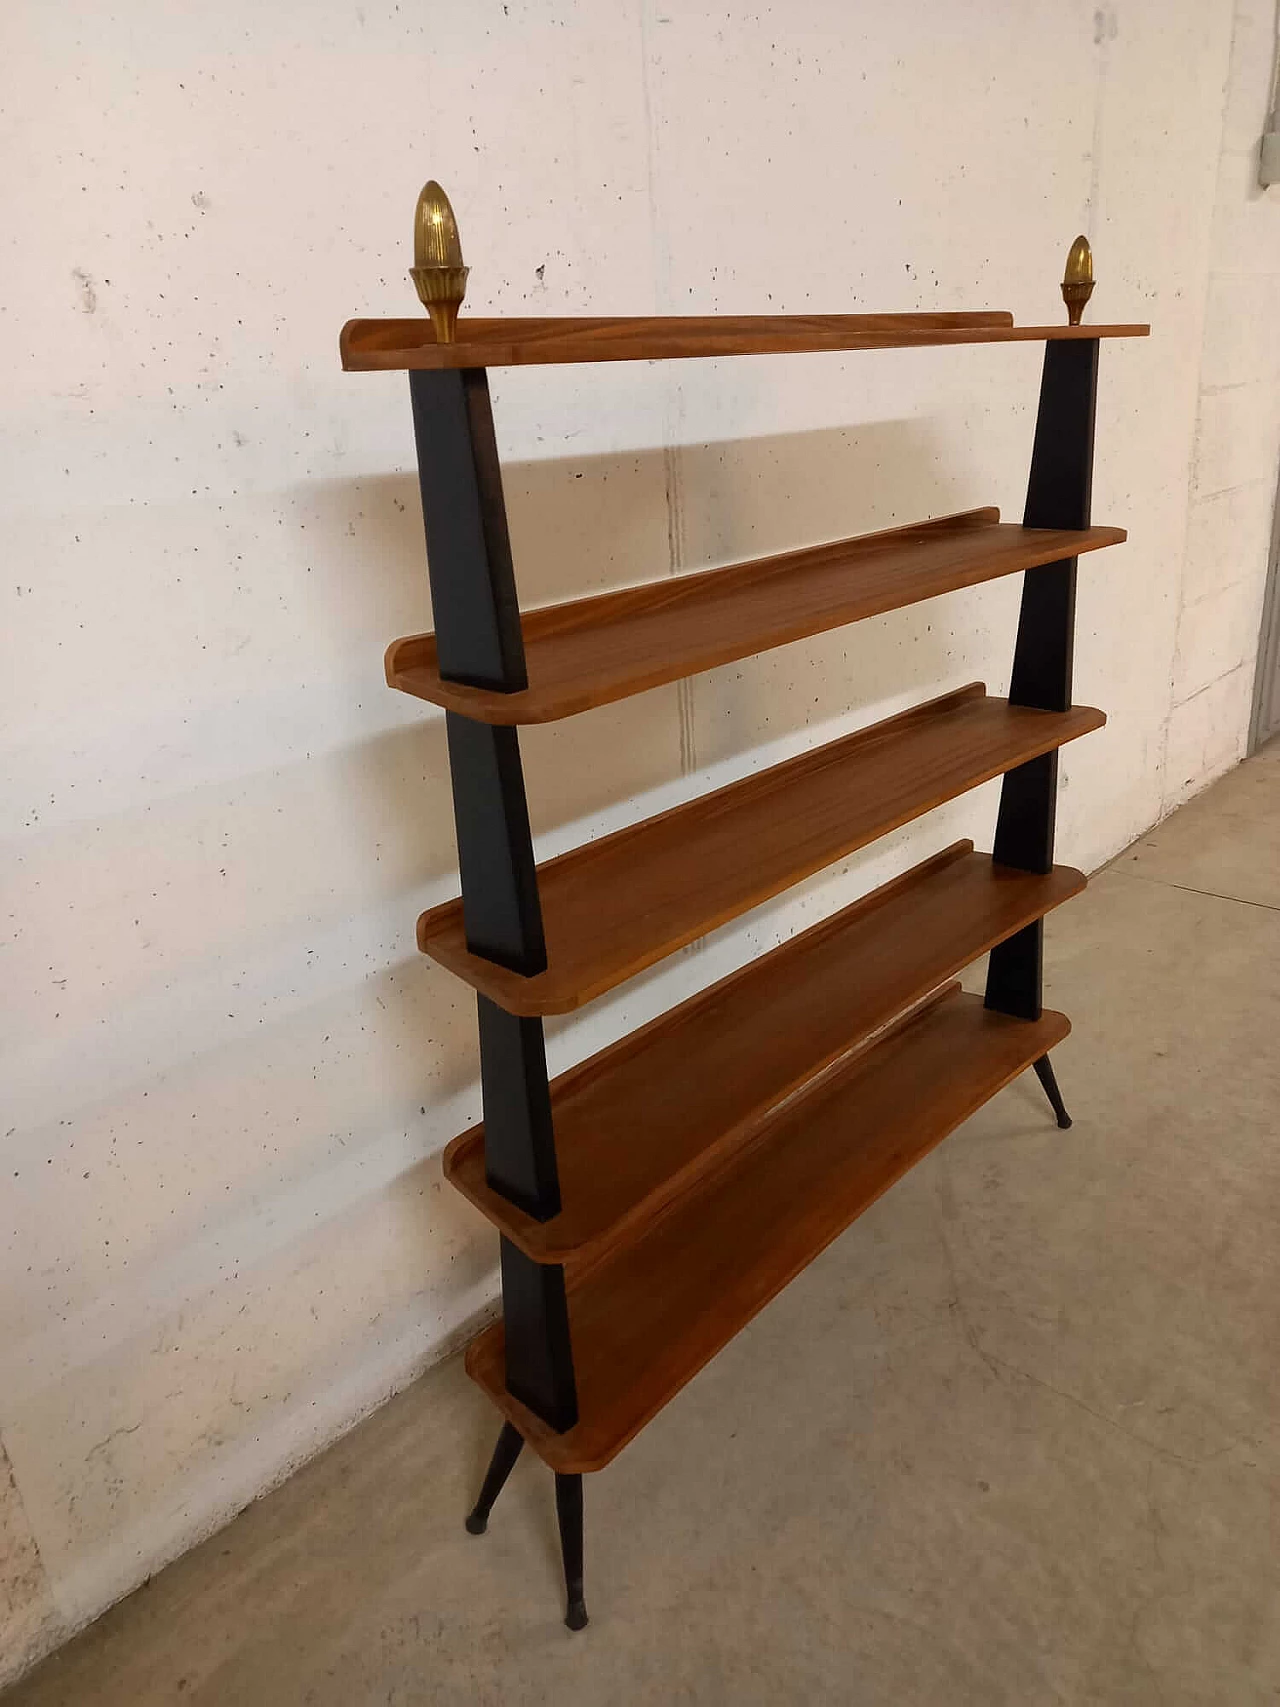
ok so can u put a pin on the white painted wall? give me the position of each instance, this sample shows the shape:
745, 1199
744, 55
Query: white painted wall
228, 1076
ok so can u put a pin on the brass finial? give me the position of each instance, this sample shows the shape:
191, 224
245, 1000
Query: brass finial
1077, 282
437, 272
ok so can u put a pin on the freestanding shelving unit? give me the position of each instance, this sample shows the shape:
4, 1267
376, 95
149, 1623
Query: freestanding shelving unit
651, 1200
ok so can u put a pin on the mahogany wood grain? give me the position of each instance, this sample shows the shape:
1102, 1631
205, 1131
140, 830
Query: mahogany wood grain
617, 905
653, 1313
638, 1123
596, 650
381, 344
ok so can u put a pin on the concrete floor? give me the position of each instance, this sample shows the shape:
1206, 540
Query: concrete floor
1014, 1439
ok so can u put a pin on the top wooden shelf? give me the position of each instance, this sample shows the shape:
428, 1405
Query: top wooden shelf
481, 343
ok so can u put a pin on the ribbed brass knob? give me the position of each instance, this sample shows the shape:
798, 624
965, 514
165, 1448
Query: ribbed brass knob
438, 274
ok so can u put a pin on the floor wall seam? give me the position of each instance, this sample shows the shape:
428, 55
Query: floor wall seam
1188, 889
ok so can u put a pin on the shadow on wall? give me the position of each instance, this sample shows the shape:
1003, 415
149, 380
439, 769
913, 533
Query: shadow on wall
245, 1073
586, 525
243, 935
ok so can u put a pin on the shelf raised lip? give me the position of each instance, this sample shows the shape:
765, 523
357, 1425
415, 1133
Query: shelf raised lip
984, 1053
441, 931
883, 573
394, 344
990, 902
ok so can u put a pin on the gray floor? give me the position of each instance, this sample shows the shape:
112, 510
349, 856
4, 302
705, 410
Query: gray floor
1014, 1439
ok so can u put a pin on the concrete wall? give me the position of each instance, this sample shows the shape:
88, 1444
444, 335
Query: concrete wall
1237, 443
228, 1075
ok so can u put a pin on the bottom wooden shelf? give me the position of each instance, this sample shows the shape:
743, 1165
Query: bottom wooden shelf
646, 1318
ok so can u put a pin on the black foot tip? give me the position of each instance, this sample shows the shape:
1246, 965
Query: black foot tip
1064, 1121
576, 1616
477, 1523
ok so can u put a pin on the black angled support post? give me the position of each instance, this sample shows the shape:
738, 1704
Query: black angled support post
1058, 496
473, 585
1059, 492
478, 640
519, 1143
539, 1356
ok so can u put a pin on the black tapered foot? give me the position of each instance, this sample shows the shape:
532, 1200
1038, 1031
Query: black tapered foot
569, 1515
501, 1465
1044, 1072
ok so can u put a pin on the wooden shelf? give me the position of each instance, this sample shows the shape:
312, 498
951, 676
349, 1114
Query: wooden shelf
618, 905
593, 651
517, 342
639, 1123
647, 1318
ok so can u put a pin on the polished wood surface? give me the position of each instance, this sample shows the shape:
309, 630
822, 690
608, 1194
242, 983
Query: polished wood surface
593, 651
516, 342
647, 1318
639, 1123
618, 905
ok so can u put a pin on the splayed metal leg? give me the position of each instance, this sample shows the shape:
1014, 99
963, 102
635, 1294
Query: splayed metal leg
1044, 1072
569, 1513
501, 1465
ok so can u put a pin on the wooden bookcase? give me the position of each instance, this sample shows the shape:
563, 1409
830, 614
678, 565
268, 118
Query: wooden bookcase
651, 1200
